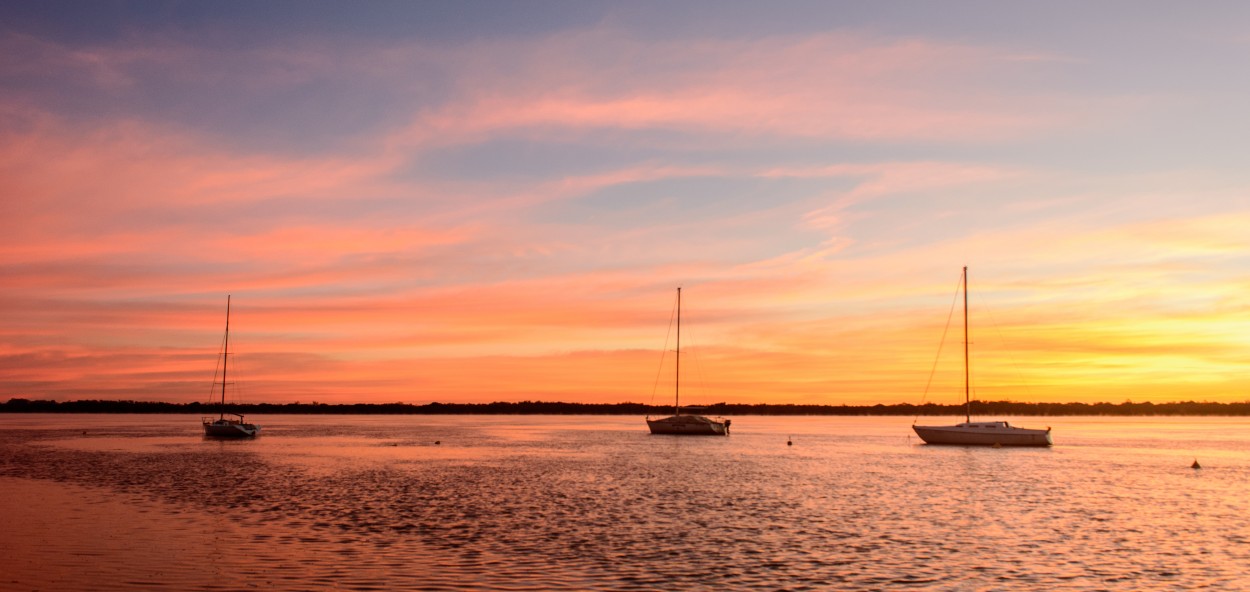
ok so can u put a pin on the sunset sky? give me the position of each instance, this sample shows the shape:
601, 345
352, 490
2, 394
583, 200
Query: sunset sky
495, 201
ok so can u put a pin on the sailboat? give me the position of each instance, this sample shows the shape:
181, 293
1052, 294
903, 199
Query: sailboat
233, 426
686, 425
982, 433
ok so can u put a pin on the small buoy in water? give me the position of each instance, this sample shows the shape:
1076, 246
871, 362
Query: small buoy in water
788, 442
1195, 465
437, 442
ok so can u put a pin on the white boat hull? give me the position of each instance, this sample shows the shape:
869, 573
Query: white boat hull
995, 433
689, 425
230, 428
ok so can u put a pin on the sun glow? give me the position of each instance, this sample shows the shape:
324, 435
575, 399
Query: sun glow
504, 217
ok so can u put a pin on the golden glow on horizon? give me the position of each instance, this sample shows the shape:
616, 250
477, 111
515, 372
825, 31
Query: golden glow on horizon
517, 234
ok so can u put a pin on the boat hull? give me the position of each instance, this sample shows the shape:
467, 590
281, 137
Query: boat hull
226, 428
689, 425
984, 434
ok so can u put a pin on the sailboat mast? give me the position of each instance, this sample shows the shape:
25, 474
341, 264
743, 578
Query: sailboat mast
225, 357
967, 399
677, 381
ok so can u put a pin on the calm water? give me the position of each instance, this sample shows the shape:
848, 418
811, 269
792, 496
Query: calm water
596, 503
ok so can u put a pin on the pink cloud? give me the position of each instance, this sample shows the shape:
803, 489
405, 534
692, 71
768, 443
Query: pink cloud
462, 292
821, 86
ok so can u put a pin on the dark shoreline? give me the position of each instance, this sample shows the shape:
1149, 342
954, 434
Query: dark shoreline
1009, 408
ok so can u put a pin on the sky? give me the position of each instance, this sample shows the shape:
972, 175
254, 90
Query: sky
496, 201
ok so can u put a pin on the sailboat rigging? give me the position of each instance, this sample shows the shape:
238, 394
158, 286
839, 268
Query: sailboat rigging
984, 433
686, 425
233, 426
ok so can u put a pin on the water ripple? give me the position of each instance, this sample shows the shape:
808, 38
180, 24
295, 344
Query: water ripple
543, 508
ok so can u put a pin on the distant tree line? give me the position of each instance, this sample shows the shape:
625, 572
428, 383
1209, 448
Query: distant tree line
979, 408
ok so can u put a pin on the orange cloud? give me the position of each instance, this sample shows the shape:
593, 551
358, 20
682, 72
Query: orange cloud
363, 273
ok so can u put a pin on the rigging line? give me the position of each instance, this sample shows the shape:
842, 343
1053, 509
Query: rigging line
1002, 342
700, 382
700, 375
237, 391
933, 370
663, 352
212, 386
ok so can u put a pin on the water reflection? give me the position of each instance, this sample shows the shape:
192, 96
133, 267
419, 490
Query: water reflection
598, 503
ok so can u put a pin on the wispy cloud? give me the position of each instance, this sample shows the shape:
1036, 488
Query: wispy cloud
371, 205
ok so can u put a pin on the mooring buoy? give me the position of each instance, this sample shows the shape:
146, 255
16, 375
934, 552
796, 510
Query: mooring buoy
1195, 465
